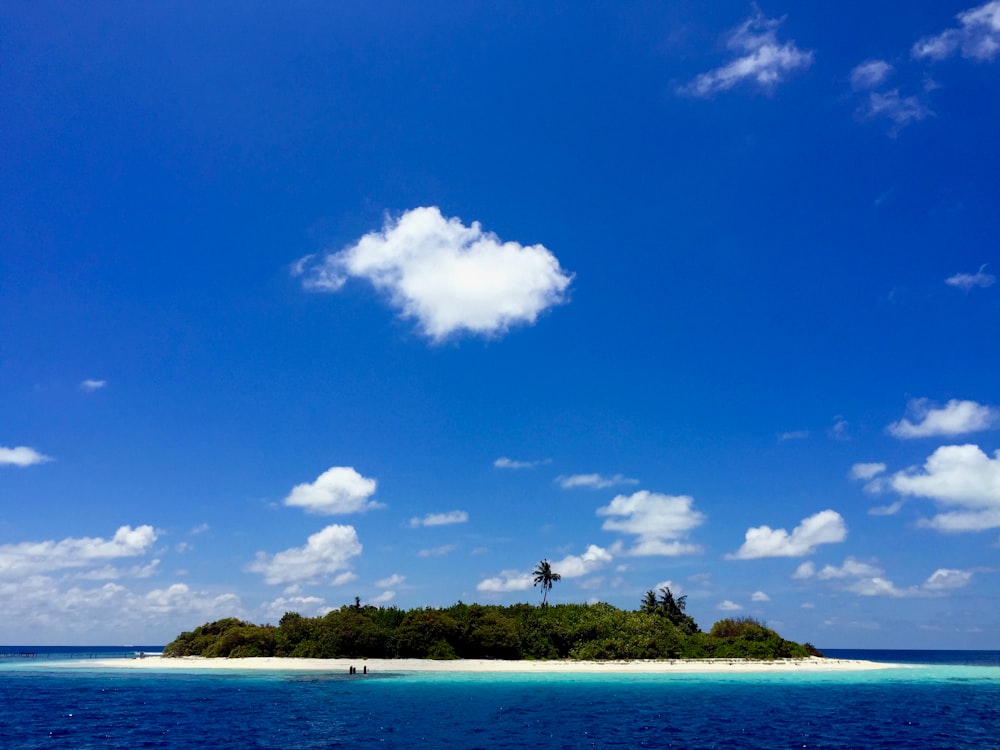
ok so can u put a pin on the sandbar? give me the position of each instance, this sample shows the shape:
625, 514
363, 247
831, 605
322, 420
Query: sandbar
384, 666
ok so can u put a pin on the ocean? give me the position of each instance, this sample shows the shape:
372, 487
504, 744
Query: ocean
948, 699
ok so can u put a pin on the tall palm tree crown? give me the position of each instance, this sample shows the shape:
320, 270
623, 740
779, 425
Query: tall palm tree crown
546, 576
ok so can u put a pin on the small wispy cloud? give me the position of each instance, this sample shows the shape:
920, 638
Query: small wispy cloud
869, 74
437, 551
793, 435
440, 519
761, 60
594, 481
967, 281
898, 109
866, 471
21, 455
509, 463
89, 386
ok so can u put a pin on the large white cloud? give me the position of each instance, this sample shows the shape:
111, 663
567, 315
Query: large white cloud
661, 523
958, 476
337, 490
977, 36
954, 418
762, 60
326, 556
449, 277
29, 558
825, 527
21, 455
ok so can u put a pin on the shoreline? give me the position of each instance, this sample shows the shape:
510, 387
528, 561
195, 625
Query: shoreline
486, 666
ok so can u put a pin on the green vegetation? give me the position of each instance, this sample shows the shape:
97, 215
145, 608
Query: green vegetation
659, 630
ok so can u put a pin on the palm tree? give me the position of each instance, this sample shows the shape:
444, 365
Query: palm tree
544, 575
649, 603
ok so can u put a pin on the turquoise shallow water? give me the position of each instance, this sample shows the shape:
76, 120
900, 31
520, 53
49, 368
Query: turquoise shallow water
45, 705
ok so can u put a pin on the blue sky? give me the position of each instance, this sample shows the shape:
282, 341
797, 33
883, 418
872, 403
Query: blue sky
313, 302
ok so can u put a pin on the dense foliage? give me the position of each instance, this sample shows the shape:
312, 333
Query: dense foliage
473, 631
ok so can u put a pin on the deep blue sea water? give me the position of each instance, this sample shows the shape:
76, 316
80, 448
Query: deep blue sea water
935, 704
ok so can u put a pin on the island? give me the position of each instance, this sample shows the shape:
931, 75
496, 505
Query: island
659, 630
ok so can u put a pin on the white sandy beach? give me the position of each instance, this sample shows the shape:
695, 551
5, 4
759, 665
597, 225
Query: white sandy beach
713, 666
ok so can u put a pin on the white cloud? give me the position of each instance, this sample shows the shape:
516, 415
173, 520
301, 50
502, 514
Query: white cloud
593, 481
825, 527
337, 490
944, 579
900, 110
954, 418
761, 61
574, 566
508, 463
728, 606
961, 476
878, 586
794, 435
759, 596
869, 74
303, 605
448, 277
977, 36
869, 580
92, 385
508, 580
661, 523
437, 551
29, 558
886, 510
840, 429
867, 471
967, 281
384, 598
805, 570
851, 568
571, 566
21, 456
39, 608
327, 552
440, 519
391, 582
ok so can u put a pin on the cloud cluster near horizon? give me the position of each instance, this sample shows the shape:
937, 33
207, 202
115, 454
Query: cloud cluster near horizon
761, 60
448, 277
867, 579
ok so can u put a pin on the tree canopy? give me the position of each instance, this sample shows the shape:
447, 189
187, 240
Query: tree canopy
474, 631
